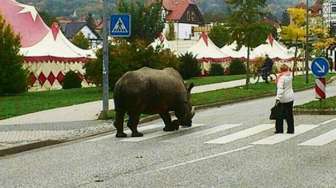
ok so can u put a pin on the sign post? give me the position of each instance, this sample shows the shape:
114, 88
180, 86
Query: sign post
105, 62
120, 26
320, 68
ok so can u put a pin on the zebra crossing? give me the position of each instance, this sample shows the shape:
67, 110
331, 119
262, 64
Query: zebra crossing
154, 131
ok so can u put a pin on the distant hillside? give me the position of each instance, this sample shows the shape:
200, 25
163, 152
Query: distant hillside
82, 7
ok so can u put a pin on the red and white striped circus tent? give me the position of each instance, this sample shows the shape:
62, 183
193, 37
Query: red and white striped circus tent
206, 51
48, 54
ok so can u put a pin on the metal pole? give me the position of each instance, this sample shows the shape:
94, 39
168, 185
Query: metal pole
306, 47
105, 62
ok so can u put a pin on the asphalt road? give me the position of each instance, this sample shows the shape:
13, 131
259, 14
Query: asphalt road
230, 146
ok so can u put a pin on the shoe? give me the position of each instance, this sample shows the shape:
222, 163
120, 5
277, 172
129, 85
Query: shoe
290, 132
276, 132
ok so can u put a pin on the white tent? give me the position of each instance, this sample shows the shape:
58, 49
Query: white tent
161, 42
48, 55
273, 49
206, 51
233, 52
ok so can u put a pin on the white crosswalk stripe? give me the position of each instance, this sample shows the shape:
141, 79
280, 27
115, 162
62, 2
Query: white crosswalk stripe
155, 131
275, 139
241, 134
321, 140
140, 129
158, 134
207, 132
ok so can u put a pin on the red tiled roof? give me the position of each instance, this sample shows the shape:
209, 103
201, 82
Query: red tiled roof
316, 8
176, 8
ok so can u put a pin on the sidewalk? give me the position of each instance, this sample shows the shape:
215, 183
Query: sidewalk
24, 136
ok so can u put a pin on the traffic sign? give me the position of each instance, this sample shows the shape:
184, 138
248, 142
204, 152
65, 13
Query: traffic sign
320, 67
120, 25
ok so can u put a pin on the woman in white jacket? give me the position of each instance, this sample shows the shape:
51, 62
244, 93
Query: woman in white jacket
285, 98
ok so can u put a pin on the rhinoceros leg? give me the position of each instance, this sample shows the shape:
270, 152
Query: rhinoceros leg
133, 122
119, 124
169, 125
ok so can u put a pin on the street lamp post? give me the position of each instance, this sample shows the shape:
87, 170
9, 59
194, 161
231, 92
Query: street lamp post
105, 62
306, 46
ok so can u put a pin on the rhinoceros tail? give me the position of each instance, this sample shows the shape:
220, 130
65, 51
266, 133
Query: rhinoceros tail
117, 97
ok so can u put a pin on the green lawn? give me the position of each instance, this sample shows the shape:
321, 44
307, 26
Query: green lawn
329, 103
37, 101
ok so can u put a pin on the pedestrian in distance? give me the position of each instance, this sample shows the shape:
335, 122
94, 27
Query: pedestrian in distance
285, 100
266, 68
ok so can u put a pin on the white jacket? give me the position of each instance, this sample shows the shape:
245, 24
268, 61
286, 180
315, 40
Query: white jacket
285, 91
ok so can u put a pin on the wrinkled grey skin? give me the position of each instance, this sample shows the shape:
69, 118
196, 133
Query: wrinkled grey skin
151, 91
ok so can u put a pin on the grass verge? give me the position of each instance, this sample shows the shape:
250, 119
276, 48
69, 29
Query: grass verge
25, 103
324, 107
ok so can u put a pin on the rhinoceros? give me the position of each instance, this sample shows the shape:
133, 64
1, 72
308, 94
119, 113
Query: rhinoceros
151, 91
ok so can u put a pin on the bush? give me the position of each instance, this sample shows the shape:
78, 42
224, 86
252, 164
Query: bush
216, 70
72, 80
128, 57
13, 78
237, 67
189, 66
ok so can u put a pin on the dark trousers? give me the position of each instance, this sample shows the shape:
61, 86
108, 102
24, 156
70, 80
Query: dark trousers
287, 111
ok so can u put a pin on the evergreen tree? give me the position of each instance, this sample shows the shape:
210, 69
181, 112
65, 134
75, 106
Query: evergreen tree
13, 78
90, 21
80, 41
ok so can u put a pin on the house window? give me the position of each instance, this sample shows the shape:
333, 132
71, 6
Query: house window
333, 8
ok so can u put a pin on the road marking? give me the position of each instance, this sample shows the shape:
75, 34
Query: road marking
275, 139
203, 158
327, 122
321, 140
140, 129
158, 134
241, 134
208, 131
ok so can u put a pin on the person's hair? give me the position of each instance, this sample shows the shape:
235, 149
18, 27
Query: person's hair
284, 68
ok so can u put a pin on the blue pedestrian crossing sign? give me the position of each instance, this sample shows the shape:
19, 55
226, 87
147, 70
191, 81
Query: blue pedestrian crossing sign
120, 25
320, 67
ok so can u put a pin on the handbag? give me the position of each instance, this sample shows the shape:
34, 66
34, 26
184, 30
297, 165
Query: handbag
276, 112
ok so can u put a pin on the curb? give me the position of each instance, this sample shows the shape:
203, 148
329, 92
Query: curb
314, 112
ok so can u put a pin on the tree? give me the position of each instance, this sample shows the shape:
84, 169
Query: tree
170, 34
285, 20
80, 41
219, 35
47, 18
322, 38
294, 34
246, 26
147, 21
13, 78
90, 21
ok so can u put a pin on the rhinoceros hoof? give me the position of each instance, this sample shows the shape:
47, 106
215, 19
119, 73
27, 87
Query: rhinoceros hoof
137, 134
170, 129
121, 135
